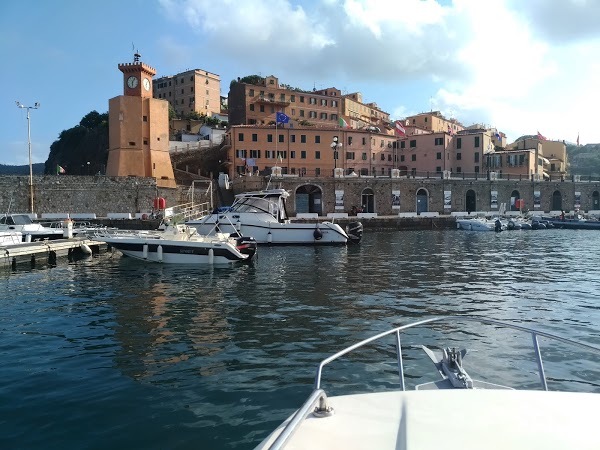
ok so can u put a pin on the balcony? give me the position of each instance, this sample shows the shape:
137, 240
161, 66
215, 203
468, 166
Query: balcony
270, 101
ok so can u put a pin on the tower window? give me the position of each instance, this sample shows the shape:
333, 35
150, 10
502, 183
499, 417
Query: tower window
145, 118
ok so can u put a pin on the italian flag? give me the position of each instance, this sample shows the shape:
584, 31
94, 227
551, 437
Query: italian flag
343, 123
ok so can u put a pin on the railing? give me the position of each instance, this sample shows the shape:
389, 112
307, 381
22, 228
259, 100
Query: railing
317, 402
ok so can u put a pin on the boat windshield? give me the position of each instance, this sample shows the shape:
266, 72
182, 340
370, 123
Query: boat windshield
16, 219
269, 205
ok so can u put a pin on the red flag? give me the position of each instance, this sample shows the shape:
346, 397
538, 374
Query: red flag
400, 131
541, 137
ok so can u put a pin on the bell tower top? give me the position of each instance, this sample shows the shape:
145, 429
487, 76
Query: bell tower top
137, 77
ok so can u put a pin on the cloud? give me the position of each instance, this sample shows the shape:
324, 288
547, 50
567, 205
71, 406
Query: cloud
499, 62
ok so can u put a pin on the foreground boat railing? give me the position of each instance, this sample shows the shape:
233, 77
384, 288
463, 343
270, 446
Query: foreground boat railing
317, 402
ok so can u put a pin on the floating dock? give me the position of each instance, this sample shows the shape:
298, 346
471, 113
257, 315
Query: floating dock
47, 250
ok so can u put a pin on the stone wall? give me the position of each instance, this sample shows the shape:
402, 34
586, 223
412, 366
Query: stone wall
87, 194
434, 187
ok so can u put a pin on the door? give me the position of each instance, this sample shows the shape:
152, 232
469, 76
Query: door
470, 201
422, 201
557, 201
367, 200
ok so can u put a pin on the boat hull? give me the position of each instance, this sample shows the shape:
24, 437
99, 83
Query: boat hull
288, 233
173, 252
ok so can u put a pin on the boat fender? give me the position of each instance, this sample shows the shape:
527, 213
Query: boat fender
159, 253
85, 249
269, 237
145, 251
318, 234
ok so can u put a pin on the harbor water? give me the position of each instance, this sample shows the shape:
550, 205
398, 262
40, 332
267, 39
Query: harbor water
109, 352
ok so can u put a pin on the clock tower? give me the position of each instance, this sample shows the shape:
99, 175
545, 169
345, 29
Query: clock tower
139, 128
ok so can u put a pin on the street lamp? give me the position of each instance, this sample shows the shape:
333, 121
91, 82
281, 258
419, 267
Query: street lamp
35, 106
335, 146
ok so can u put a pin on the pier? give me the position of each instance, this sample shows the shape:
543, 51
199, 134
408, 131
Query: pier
47, 250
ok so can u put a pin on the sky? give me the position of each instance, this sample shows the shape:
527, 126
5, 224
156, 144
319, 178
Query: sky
519, 66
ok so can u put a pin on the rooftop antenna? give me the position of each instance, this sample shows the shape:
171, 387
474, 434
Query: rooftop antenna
431, 104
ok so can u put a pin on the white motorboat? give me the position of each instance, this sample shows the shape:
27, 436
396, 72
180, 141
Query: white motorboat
180, 244
10, 237
30, 231
480, 224
457, 410
263, 215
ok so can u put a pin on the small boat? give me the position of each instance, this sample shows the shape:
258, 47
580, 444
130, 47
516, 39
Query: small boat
263, 215
463, 411
180, 244
480, 224
10, 237
575, 222
30, 231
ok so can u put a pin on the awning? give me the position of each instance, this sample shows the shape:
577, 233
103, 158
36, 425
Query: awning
546, 174
545, 160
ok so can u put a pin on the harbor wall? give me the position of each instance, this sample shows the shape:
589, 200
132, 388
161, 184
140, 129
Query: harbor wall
99, 195
488, 194
102, 195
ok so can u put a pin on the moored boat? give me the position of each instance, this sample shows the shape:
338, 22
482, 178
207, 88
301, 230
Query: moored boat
180, 244
476, 413
30, 231
480, 224
263, 215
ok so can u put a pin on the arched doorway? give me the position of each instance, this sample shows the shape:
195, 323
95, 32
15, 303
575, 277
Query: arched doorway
470, 201
514, 196
308, 199
422, 201
557, 201
595, 200
367, 200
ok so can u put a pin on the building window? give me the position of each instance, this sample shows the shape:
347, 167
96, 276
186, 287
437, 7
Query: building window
334, 117
254, 153
293, 138
240, 153
364, 156
303, 139
459, 143
282, 97
413, 157
349, 140
476, 141
317, 154
269, 138
254, 137
349, 155
145, 118
281, 138
241, 137
402, 144
413, 143
312, 101
439, 141
303, 154
317, 171
323, 102
262, 108
302, 99
312, 114
334, 103
293, 111
292, 154
458, 170
252, 107
438, 155
364, 141
292, 98
401, 158
301, 113
251, 93
476, 157
317, 139
438, 169
272, 109
458, 156
323, 116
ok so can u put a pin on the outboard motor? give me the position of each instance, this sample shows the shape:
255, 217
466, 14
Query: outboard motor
246, 246
498, 226
354, 230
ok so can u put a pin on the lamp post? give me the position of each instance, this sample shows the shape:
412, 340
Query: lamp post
335, 146
35, 106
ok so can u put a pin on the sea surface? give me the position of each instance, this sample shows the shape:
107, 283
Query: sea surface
109, 352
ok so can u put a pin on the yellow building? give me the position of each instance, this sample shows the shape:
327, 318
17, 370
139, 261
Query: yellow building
139, 128
194, 90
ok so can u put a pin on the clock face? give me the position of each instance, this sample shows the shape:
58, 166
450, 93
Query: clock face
146, 84
132, 82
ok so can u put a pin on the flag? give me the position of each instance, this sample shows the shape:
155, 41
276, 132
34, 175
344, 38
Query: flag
577, 139
497, 135
343, 123
540, 136
400, 131
59, 169
281, 118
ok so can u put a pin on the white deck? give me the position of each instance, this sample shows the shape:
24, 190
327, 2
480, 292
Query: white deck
461, 419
